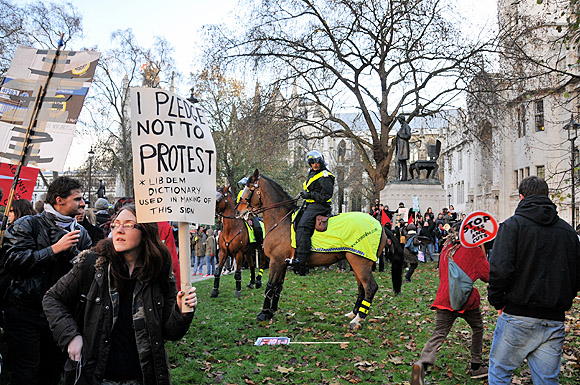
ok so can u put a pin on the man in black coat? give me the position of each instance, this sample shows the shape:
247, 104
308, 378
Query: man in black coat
317, 192
40, 251
534, 277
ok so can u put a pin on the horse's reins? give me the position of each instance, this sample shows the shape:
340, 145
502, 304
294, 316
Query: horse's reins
225, 194
258, 210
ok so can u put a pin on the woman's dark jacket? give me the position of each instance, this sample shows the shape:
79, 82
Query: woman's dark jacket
31, 262
156, 318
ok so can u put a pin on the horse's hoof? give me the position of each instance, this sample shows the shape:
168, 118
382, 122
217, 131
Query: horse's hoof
250, 286
350, 315
354, 326
258, 285
238, 293
264, 316
214, 293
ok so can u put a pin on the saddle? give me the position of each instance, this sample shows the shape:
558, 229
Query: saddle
320, 225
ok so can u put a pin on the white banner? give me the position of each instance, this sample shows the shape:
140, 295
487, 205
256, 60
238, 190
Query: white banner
57, 114
174, 159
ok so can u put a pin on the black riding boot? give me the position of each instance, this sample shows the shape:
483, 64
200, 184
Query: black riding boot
299, 264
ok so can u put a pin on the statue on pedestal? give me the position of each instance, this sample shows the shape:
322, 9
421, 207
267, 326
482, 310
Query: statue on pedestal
101, 190
402, 147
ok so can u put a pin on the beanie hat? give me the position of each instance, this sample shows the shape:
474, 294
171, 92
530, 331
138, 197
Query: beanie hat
101, 204
411, 227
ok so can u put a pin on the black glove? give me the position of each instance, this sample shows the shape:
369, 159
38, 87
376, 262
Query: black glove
304, 195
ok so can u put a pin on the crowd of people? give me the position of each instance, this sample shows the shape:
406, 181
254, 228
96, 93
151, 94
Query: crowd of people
427, 232
81, 287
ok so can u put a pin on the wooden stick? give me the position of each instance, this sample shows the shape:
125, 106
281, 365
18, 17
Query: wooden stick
318, 342
185, 262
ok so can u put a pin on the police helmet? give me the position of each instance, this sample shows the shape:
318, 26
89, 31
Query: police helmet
242, 182
314, 156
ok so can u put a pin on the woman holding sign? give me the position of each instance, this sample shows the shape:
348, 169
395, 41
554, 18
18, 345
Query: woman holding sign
130, 307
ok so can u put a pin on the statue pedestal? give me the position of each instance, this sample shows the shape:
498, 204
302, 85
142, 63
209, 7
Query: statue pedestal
429, 191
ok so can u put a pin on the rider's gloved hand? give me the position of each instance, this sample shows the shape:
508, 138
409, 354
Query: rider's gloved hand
305, 195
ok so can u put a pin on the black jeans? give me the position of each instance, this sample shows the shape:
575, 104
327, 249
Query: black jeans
34, 356
412, 267
305, 229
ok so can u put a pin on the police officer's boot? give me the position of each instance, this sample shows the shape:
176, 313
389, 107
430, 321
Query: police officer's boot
299, 264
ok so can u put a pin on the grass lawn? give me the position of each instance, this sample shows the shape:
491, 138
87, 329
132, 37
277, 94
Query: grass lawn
219, 347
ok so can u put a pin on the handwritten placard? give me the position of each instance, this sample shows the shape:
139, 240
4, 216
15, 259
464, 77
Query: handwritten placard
174, 159
477, 228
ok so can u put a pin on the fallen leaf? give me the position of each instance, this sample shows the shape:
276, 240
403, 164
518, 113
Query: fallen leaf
284, 370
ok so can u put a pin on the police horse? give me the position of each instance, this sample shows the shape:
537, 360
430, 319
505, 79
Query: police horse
263, 195
234, 241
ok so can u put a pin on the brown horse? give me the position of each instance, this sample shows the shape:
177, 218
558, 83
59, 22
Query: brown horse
263, 195
234, 242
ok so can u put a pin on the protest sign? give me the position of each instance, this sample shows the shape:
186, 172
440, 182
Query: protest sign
174, 160
477, 228
270, 341
25, 185
404, 213
416, 204
48, 102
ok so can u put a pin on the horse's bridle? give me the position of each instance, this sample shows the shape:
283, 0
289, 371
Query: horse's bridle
258, 210
251, 209
222, 195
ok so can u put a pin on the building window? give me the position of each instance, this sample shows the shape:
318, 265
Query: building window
540, 171
521, 116
516, 179
527, 172
449, 161
459, 160
539, 115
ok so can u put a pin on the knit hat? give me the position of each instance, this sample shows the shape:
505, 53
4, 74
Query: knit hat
411, 227
101, 204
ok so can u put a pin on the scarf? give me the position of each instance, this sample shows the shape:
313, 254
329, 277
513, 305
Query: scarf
62, 221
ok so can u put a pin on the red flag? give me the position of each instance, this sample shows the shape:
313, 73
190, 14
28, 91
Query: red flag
411, 218
25, 185
385, 218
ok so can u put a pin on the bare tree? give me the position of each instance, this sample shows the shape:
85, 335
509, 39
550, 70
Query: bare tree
383, 58
37, 24
246, 134
126, 65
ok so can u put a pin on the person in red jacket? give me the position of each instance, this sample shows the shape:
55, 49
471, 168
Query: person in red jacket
474, 263
166, 235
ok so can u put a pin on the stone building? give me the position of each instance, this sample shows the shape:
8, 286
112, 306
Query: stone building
523, 133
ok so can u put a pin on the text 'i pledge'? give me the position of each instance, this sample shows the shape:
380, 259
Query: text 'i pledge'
173, 157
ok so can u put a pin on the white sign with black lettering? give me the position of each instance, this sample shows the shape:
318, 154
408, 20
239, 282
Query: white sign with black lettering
174, 159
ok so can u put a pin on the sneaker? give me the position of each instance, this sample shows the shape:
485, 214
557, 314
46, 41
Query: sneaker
478, 373
418, 374
207, 275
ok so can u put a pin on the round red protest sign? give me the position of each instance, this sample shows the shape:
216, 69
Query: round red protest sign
477, 228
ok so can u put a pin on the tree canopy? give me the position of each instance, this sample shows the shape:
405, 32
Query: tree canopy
382, 58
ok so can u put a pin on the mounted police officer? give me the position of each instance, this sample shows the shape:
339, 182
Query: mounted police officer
241, 183
317, 192
253, 221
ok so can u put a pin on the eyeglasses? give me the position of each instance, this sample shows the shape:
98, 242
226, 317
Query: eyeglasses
125, 226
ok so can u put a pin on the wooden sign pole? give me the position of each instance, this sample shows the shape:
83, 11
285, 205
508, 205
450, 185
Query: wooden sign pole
185, 262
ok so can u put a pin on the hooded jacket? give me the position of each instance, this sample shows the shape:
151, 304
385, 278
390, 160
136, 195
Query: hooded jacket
535, 263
